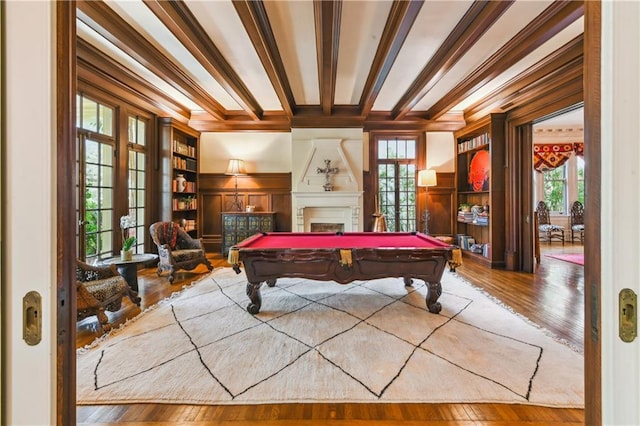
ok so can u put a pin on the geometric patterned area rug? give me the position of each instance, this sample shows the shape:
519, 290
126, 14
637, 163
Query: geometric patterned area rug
577, 258
314, 341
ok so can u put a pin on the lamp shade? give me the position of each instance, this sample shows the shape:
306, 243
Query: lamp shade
427, 178
236, 168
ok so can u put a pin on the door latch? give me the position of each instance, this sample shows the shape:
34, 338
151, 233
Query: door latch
628, 315
32, 318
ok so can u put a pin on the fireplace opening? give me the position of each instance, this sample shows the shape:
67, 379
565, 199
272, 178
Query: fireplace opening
327, 227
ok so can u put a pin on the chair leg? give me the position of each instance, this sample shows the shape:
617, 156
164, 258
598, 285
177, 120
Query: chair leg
103, 320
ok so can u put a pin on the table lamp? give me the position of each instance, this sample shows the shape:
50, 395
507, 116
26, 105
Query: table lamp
236, 168
427, 178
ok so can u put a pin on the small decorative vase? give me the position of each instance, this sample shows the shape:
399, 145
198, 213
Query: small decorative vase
181, 183
126, 254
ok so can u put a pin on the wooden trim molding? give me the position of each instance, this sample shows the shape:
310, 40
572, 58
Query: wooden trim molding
66, 201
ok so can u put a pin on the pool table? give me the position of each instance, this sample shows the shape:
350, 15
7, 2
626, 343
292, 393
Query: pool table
343, 257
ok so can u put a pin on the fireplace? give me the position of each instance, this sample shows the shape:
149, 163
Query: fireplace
331, 211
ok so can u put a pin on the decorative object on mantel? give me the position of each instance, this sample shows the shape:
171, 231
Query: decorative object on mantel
379, 224
126, 224
327, 171
426, 178
236, 168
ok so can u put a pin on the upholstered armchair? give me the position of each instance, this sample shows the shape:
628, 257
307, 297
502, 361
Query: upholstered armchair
100, 289
177, 249
577, 220
547, 230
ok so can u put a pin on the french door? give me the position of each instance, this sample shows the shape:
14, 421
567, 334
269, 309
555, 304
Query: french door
396, 179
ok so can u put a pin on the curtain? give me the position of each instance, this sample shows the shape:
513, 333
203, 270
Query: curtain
548, 156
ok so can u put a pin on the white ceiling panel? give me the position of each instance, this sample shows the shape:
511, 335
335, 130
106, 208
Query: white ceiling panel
294, 29
434, 23
510, 23
360, 31
146, 23
223, 25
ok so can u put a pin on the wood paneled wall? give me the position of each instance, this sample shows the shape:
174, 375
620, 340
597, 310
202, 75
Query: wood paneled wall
267, 191
440, 202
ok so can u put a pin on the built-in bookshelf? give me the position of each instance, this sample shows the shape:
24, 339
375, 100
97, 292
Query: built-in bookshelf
181, 144
480, 190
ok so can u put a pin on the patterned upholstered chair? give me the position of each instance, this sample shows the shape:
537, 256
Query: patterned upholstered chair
177, 249
547, 230
100, 289
577, 220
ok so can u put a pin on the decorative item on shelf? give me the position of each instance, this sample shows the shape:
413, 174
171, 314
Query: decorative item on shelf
250, 208
479, 169
464, 207
126, 224
327, 171
181, 183
427, 178
236, 168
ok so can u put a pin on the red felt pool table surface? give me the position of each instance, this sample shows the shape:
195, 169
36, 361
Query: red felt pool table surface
328, 240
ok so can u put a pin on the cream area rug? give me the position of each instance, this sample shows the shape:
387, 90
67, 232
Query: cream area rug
314, 341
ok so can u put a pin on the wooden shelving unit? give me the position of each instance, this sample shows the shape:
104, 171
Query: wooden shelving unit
180, 146
481, 154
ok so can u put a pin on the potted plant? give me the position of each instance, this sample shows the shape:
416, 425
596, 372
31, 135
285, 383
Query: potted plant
127, 222
464, 207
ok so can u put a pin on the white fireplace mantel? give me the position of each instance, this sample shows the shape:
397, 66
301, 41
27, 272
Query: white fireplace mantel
328, 206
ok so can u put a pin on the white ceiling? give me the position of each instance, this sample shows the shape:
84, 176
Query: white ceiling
293, 25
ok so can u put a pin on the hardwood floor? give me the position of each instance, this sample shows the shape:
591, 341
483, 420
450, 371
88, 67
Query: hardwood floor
552, 297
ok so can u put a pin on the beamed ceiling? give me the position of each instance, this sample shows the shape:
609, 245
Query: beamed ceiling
273, 65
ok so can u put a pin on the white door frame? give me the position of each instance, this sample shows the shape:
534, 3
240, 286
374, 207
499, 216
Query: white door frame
620, 203
29, 240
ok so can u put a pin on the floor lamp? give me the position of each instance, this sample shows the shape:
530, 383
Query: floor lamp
427, 178
236, 168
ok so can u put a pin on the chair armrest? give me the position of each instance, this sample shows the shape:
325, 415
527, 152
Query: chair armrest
88, 272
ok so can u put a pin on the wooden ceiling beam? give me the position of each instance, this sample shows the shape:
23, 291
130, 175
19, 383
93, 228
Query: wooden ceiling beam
254, 18
508, 95
177, 17
473, 25
125, 84
327, 21
113, 28
399, 22
555, 18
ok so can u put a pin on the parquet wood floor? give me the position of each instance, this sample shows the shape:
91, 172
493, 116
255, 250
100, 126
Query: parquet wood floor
552, 297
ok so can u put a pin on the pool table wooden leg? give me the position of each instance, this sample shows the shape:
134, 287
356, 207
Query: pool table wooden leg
253, 291
434, 290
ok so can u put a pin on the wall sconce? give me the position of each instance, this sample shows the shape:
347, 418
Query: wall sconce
427, 178
236, 168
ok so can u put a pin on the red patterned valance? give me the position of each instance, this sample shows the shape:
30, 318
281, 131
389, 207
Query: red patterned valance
548, 156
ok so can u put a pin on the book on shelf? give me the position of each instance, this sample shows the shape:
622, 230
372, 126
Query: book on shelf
475, 142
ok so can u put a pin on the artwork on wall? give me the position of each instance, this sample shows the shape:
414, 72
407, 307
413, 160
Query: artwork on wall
479, 168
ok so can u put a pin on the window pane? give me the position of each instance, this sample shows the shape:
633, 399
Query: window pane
555, 189
402, 149
107, 198
106, 120
141, 161
106, 154
382, 149
131, 130
411, 150
142, 136
91, 151
89, 115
